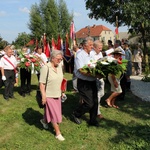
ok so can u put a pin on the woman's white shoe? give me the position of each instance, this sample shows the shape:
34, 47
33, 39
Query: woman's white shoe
60, 137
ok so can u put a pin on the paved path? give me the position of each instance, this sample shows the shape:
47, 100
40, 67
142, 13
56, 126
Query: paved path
140, 88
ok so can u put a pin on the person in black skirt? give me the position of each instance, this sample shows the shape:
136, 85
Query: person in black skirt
25, 78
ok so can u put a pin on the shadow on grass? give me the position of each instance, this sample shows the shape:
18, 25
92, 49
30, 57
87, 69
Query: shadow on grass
32, 117
17, 89
131, 136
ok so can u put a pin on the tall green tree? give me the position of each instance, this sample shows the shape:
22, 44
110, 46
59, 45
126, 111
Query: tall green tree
49, 11
50, 18
64, 18
36, 23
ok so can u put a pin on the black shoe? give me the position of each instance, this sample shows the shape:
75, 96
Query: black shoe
12, 97
76, 120
28, 93
95, 123
23, 95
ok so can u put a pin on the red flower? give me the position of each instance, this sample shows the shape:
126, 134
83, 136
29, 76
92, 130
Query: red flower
33, 60
119, 61
27, 64
120, 58
36, 64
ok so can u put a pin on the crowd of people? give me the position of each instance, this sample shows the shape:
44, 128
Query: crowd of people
91, 89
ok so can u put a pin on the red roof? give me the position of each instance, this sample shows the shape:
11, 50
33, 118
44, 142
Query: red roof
93, 31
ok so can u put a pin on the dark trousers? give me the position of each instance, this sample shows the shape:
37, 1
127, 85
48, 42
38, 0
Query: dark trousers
9, 83
25, 76
88, 92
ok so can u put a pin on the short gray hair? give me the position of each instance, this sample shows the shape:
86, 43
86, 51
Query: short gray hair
96, 43
85, 41
54, 53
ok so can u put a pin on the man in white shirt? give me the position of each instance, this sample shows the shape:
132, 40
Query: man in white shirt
8, 64
86, 85
74, 78
97, 54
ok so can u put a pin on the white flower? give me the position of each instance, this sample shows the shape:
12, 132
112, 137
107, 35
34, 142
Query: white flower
30, 55
104, 63
92, 65
22, 59
110, 59
93, 61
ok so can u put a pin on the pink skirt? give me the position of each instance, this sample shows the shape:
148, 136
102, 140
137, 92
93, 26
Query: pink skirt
53, 112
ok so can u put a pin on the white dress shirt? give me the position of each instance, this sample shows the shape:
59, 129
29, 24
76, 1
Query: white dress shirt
6, 65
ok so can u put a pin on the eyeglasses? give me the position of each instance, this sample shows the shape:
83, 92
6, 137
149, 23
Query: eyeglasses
59, 59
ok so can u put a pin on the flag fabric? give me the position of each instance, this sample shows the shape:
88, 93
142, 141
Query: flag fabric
44, 42
36, 43
47, 50
31, 42
62, 46
54, 46
72, 31
116, 30
59, 43
67, 51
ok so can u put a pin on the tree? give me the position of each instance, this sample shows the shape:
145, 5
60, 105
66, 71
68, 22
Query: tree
35, 25
133, 13
3, 43
22, 39
64, 18
49, 18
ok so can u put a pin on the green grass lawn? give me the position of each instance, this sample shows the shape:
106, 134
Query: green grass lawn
126, 128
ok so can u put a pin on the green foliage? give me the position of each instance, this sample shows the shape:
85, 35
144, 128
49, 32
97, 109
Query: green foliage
133, 13
64, 18
36, 23
146, 77
50, 18
105, 67
3, 43
22, 39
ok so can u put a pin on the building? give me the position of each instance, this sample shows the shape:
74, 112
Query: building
97, 32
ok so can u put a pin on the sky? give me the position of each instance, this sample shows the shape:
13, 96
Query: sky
14, 17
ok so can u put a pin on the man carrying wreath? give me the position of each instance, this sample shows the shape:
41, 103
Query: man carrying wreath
86, 85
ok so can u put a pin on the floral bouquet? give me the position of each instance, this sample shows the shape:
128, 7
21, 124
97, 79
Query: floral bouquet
105, 65
28, 62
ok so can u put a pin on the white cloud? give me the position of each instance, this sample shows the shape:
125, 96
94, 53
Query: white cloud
25, 10
76, 14
2, 13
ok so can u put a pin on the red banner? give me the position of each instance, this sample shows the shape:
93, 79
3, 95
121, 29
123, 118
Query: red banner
59, 43
67, 51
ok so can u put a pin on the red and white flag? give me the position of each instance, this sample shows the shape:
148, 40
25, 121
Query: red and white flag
44, 42
47, 50
31, 42
59, 43
116, 30
54, 46
67, 51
